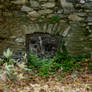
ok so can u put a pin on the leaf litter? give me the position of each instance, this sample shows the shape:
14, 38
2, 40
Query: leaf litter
52, 84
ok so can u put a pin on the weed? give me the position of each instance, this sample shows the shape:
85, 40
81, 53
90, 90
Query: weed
83, 60
59, 79
62, 62
54, 19
90, 60
39, 17
8, 56
90, 64
1, 62
47, 67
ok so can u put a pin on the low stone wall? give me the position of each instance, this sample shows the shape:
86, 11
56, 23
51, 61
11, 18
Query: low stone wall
71, 19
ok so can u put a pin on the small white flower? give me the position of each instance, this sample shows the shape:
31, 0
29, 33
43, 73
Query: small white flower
7, 53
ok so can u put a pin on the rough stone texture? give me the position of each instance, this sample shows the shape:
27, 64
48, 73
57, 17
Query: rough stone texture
45, 11
19, 1
26, 8
67, 6
76, 41
33, 14
74, 17
34, 4
49, 5
71, 19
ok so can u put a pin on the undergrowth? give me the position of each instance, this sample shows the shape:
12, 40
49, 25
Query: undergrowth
61, 62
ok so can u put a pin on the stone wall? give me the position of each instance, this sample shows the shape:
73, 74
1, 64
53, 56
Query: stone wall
71, 19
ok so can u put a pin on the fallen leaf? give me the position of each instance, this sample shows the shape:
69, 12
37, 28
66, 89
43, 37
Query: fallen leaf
4, 76
77, 84
1, 90
20, 76
1, 85
21, 91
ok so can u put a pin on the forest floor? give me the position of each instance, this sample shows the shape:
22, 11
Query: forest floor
17, 77
70, 83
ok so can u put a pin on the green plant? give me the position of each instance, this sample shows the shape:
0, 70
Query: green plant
1, 61
79, 58
59, 79
62, 61
47, 67
83, 60
54, 19
90, 64
90, 60
8, 72
61, 76
8, 53
8, 56
43, 65
39, 17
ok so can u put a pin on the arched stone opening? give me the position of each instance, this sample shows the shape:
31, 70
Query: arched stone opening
43, 45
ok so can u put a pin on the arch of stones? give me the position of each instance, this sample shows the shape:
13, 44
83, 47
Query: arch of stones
21, 17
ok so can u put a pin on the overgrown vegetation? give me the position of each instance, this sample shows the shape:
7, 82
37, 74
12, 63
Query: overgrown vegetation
62, 62
9, 67
47, 67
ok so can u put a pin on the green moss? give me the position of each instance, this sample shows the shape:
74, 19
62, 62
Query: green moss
54, 19
39, 17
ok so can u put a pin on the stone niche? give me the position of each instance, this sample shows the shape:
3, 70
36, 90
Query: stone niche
43, 45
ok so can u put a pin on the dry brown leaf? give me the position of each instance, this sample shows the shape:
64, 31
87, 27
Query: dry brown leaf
1, 85
1, 90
